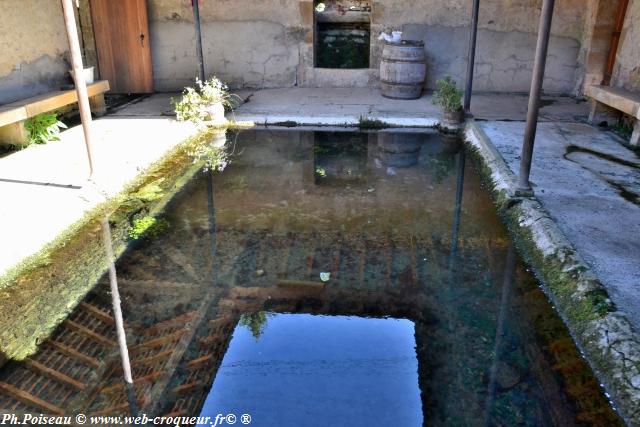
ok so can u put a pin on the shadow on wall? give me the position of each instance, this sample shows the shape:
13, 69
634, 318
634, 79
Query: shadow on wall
504, 60
32, 78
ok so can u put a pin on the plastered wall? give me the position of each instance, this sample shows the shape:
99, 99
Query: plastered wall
33, 46
269, 43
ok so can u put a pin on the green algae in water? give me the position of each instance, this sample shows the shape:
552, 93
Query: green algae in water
406, 250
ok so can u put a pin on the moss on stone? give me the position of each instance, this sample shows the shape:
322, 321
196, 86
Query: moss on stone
40, 292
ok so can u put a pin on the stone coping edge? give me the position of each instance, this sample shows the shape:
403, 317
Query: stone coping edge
604, 334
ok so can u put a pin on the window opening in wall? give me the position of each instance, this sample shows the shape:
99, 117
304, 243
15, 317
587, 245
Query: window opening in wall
343, 33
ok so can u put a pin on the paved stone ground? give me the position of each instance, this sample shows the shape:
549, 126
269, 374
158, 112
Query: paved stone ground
44, 189
336, 106
590, 184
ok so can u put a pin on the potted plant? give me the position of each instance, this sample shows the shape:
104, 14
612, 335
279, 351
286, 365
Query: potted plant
449, 98
204, 104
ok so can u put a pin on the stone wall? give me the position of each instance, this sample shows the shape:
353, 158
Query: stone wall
34, 45
270, 43
626, 72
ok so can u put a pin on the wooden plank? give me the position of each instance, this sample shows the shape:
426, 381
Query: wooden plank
73, 353
623, 100
121, 32
156, 342
10, 115
161, 386
53, 374
99, 313
300, 284
51, 101
89, 333
152, 359
21, 110
30, 399
200, 360
120, 386
188, 387
59, 96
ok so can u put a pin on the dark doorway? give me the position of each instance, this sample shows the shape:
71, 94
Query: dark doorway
343, 33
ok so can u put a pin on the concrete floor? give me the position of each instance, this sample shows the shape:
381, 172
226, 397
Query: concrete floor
45, 188
590, 184
336, 106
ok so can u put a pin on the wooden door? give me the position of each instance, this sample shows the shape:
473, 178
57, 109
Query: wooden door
121, 31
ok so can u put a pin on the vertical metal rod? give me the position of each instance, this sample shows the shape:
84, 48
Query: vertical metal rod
117, 314
81, 85
458, 207
196, 20
544, 32
507, 283
212, 221
472, 55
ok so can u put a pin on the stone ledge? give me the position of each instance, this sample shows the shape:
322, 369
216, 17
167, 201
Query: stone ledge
603, 333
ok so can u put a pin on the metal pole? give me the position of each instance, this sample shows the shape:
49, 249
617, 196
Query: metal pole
81, 85
117, 314
507, 284
544, 32
196, 20
472, 55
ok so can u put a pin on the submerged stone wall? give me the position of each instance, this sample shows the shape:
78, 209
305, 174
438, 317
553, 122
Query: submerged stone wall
270, 43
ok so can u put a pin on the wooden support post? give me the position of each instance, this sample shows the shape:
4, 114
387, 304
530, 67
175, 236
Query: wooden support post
81, 85
98, 106
593, 111
14, 134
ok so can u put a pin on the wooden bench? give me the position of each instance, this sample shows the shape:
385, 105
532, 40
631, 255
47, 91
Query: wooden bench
13, 116
622, 100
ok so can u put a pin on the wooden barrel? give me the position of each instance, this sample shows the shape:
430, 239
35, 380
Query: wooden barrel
403, 69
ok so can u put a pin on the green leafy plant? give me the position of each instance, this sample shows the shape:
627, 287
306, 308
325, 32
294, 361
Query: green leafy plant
367, 123
255, 322
623, 127
447, 95
195, 100
44, 128
215, 158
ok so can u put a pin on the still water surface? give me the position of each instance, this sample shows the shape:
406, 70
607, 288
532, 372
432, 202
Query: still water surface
323, 278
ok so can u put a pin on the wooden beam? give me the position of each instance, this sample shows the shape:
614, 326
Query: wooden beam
76, 327
156, 342
183, 388
30, 399
73, 353
99, 313
53, 374
156, 357
200, 361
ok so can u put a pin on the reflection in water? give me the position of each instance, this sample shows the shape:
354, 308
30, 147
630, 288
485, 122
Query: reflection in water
239, 268
500, 330
255, 322
117, 314
321, 370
